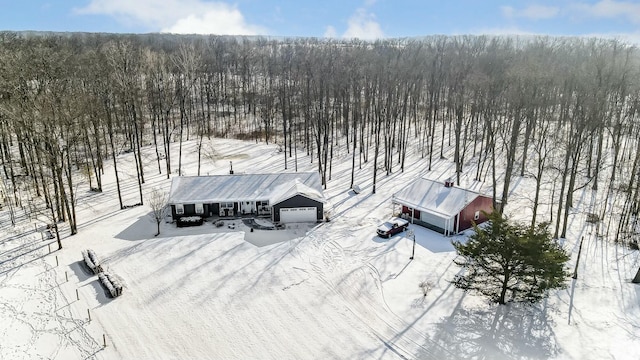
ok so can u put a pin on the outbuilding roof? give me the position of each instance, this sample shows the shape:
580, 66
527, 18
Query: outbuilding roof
433, 197
245, 187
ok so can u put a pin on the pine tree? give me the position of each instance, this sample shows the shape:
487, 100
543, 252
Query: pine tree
506, 258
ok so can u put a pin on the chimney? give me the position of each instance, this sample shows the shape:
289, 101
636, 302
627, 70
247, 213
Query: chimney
448, 183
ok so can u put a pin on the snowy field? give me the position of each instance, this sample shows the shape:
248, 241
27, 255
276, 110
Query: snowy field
331, 291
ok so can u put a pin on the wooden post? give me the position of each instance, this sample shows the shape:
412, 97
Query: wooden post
57, 263
49, 245
77, 295
104, 340
89, 313
575, 271
66, 276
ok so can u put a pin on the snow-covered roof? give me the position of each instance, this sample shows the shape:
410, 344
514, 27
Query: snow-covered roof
244, 187
296, 187
433, 197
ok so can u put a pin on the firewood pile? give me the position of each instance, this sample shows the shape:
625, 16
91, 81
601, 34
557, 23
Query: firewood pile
92, 261
111, 282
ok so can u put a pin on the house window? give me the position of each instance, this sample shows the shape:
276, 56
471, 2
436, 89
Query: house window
179, 209
199, 209
228, 205
476, 216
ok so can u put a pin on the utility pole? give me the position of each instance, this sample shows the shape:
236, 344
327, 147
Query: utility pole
412, 235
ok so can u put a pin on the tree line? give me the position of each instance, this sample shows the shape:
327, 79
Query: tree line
559, 111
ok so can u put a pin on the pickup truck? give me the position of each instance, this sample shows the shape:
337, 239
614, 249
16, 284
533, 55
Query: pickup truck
392, 227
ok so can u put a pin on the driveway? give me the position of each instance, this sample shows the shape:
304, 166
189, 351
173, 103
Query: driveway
254, 225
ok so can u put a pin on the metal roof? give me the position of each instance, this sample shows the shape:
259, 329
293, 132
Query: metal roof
244, 187
433, 197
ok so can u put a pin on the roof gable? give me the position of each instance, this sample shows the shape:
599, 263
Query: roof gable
296, 187
433, 197
243, 187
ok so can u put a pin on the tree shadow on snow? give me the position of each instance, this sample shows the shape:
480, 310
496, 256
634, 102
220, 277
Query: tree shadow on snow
512, 331
141, 229
145, 228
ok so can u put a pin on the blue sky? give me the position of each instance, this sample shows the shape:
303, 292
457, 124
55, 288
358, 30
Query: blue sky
365, 19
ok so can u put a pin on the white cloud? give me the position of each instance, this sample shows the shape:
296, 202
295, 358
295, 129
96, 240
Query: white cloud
224, 21
508, 11
610, 9
177, 16
363, 25
533, 12
330, 32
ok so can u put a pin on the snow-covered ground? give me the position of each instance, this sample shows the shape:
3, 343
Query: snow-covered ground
331, 291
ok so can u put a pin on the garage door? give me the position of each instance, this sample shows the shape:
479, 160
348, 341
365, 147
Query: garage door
436, 221
300, 214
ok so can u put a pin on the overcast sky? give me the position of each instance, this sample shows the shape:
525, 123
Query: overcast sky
365, 19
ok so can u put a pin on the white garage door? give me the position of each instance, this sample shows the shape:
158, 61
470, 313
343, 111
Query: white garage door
436, 221
301, 214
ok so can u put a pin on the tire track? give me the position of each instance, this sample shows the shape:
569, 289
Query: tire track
349, 273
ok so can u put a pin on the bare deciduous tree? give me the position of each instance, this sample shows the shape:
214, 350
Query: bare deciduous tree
156, 200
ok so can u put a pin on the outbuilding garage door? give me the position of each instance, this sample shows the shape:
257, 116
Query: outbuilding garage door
436, 221
300, 214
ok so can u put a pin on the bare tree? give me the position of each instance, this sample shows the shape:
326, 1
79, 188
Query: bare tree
157, 200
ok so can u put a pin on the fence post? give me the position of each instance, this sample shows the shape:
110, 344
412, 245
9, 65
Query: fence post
89, 313
57, 263
104, 340
66, 276
77, 295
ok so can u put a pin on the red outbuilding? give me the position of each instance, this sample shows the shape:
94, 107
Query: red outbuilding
442, 207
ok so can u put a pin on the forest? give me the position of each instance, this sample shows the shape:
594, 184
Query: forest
560, 111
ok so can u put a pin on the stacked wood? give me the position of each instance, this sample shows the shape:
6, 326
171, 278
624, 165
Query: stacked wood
111, 282
92, 261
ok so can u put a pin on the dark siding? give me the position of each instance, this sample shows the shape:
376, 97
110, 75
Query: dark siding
214, 209
189, 209
481, 203
298, 201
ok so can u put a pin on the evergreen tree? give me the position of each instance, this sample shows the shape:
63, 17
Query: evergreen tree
504, 257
